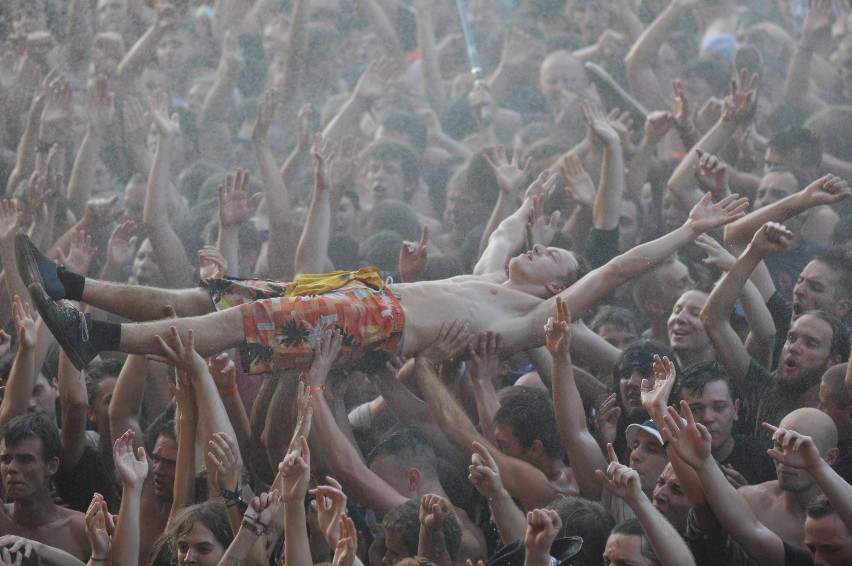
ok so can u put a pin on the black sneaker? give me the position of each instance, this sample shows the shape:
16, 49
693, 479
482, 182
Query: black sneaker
69, 326
35, 267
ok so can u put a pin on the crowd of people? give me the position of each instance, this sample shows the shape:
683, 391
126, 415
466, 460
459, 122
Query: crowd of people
315, 282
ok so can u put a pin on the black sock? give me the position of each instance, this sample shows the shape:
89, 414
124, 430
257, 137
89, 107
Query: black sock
104, 336
72, 282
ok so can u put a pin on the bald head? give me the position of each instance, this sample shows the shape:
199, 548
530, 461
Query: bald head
835, 380
814, 423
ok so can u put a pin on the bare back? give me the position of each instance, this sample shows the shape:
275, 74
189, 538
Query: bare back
772, 508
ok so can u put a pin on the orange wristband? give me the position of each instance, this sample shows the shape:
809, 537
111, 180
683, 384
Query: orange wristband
232, 390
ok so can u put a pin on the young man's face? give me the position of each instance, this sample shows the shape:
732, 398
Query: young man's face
386, 180
773, 187
543, 266
818, 288
43, 398
395, 549
715, 409
630, 389
163, 461
686, 331
806, 353
829, 540
648, 458
26, 475
628, 225
670, 500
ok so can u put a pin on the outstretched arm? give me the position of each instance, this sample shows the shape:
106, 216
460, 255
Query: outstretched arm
705, 216
720, 304
583, 451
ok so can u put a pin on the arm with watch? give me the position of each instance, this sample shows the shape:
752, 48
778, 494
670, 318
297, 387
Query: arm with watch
256, 521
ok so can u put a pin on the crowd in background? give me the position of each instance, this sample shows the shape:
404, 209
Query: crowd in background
699, 414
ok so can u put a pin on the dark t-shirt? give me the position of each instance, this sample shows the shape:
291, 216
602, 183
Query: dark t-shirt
750, 459
794, 556
843, 466
95, 472
760, 401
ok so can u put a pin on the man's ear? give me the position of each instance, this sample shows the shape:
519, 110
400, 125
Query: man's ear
53, 466
555, 288
842, 308
536, 449
831, 456
413, 477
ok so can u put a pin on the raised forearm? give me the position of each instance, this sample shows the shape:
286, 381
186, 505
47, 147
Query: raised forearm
669, 546
607, 205
445, 409
313, 245
681, 183
740, 232
80, 182
74, 403
430, 70
836, 489
125, 541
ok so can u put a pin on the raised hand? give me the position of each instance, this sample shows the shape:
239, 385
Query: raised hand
178, 352
717, 255
818, 20
223, 462
96, 526
304, 121
10, 219
330, 505
483, 472
537, 231
511, 178
326, 351
212, 264
347, 544
793, 449
80, 253
262, 509
829, 189
223, 370
135, 123
606, 420
121, 247
100, 103
771, 238
707, 215
690, 440
57, 109
343, 167
412, 257
557, 331
680, 107
484, 355
578, 183
433, 509
167, 126
376, 79
620, 480
655, 396
264, 115
712, 174
737, 105
295, 472
600, 130
543, 185
132, 467
452, 341
520, 50
235, 205
100, 212
543, 526
657, 125
24, 323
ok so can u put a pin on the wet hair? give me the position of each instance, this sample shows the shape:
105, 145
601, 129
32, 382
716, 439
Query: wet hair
33, 426
819, 507
839, 351
410, 449
99, 371
632, 527
842, 232
834, 378
584, 266
696, 377
391, 150
586, 519
801, 140
641, 349
841, 265
397, 216
617, 316
211, 514
405, 521
530, 414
